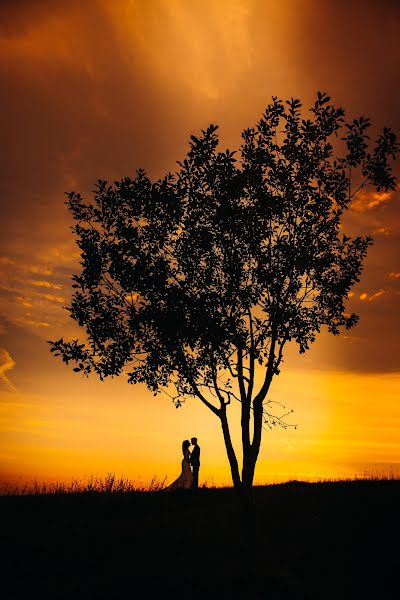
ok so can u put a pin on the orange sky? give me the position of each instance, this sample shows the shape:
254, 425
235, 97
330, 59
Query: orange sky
99, 89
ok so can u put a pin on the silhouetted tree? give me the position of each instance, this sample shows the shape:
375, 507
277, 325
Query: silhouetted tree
192, 282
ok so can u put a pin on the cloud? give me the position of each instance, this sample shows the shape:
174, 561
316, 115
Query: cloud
394, 276
29, 302
54, 298
24, 301
376, 295
6, 364
365, 201
209, 43
62, 254
29, 322
372, 297
46, 284
142, 93
383, 231
39, 270
6, 260
3, 328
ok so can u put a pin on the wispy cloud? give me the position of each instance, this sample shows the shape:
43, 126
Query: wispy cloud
45, 284
365, 201
376, 295
54, 298
6, 260
383, 231
29, 297
39, 269
209, 43
6, 364
29, 322
371, 297
24, 301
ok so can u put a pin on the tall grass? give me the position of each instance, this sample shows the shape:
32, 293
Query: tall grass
110, 484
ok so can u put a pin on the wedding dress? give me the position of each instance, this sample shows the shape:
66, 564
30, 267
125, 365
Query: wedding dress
185, 479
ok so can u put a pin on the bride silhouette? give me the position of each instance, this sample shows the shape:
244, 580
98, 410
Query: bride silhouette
185, 479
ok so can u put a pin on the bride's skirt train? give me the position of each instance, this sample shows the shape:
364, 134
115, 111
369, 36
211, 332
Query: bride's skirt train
185, 479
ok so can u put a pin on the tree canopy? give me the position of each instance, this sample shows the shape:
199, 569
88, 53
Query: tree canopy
191, 282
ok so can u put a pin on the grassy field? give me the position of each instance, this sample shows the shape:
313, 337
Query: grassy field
314, 540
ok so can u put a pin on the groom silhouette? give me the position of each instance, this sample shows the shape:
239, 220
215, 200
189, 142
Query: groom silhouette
195, 462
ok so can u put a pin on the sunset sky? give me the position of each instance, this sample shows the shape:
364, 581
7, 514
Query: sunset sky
97, 89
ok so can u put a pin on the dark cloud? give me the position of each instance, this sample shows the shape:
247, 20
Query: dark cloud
90, 91
18, 16
350, 49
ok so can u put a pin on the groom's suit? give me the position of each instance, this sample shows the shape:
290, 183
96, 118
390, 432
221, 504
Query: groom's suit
195, 462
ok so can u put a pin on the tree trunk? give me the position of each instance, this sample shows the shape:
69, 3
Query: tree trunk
247, 500
256, 443
230, 451
246, 446
251, 452
244, 486
248, 469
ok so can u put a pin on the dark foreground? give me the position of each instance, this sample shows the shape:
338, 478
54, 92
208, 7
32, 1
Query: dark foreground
326, 540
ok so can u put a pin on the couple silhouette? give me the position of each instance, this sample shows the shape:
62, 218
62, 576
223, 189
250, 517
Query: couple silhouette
189, 477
